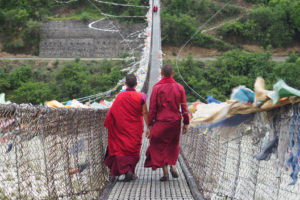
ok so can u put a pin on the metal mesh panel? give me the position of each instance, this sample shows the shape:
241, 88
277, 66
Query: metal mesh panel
48, 153
222, 160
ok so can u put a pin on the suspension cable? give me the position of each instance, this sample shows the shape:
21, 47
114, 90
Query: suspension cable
115, 16
62, 2
183, 46
114, 29
119, 4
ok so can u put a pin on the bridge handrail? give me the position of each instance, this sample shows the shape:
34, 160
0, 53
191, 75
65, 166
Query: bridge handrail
48, 153
222, 161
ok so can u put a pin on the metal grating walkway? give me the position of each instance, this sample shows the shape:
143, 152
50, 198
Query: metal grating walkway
148, 186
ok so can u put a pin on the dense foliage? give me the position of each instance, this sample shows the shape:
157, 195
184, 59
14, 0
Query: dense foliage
273, 23
276, 23
20, 21
182, 18
61, 82
270, 22
76, 79
235, 68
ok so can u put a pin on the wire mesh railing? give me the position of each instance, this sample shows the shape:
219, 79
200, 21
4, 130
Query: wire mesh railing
223, 164
48, 153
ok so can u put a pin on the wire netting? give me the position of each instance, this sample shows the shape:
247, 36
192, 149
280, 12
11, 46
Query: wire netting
222, 161
48, 153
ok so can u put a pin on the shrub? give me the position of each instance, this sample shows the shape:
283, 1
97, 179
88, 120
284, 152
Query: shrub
4, 83
84, 17
33, 92
77, 59
56, 63
177, 29
17, 44
231, 29
234, 68
295, 17
31, 32
19, 76
13, 47
126, 54
266, 26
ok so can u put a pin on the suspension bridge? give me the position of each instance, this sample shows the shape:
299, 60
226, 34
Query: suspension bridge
57, 153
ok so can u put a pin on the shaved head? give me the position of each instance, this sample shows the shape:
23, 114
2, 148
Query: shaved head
131, 80
167, 70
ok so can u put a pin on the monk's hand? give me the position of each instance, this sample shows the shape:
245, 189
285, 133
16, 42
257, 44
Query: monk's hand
185, 128
148, 132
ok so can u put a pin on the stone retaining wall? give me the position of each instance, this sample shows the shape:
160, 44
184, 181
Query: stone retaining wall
69, 39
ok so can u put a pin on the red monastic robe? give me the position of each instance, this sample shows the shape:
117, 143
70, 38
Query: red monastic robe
165, 118
125, 129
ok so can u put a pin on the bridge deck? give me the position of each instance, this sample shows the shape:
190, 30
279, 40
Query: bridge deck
148, 186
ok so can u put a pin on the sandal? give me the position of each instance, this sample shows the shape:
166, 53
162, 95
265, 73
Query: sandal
174, 172
134, 177
128, 177
164, 178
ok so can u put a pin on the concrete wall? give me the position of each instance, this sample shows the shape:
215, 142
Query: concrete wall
69, 39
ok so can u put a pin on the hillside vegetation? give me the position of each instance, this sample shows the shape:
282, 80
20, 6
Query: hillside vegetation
20, 21
30, 82
273, 23
267, 23
181, 19
234, 68
36, 82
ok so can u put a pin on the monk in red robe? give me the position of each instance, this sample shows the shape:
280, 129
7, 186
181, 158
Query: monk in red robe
125, 129
164, 128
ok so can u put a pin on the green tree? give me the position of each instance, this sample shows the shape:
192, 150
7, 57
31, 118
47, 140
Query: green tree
77, 80
14, 19
288, 71
234, 68
267, 25
2, 19
115, 74
72, 80
32, 92
31, 34
19, 76
295, 17
4, 83
177, 29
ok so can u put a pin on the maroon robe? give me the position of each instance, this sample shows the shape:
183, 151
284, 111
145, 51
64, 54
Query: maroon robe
165, 118
125, 129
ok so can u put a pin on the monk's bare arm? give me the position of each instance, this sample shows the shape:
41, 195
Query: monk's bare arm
184, 111
152, 107
145, 113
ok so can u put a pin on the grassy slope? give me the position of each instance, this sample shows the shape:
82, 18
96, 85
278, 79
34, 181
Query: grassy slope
85, 12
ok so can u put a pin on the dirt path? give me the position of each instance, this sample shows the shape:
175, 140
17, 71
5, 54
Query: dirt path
198, 52
210, 31
245, 9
